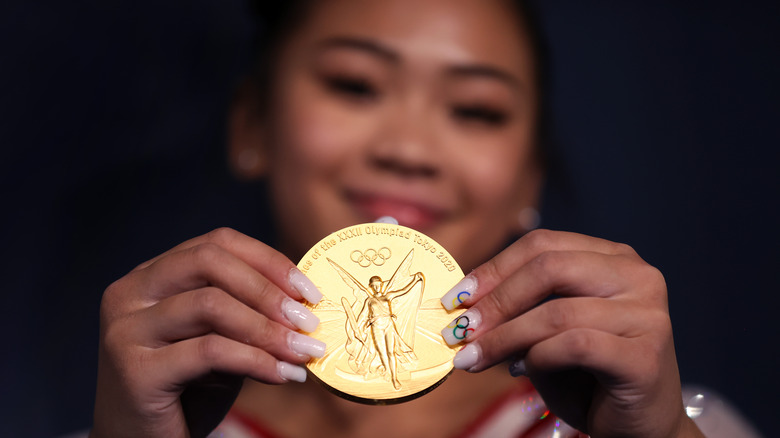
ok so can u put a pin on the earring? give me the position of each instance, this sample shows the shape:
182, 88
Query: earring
529, 219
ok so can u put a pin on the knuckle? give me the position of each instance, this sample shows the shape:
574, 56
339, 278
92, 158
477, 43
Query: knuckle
222, 236
209, 348
490, 269
264, 331
624, 248
267, 256
263, 360
256, 359
114, 301
113, 288
498, 302
546, 265
580, 344
110, 296
655, 284
206, 253
264, 290
559, 315
655, 277
209, 302
539, 240
493, 346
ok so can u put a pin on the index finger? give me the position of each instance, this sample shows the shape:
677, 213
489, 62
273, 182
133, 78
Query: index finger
490, 274
269, 262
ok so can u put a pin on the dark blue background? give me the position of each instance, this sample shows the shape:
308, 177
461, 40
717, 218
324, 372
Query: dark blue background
112, 132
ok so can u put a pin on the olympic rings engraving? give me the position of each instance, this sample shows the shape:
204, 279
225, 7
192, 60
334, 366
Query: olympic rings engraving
371, 256
460, 327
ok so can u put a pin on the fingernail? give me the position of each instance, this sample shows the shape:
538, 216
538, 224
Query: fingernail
288, 371
304, 286
299, 315
517, 369
467, 357
305, 345
387, 220
461, 327
460, 293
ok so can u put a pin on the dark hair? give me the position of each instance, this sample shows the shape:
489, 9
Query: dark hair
275, 21
529, 17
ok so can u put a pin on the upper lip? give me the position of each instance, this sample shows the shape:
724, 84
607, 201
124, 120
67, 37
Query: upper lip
429, 203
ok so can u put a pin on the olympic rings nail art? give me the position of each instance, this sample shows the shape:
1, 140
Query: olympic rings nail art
461, 327
460, 293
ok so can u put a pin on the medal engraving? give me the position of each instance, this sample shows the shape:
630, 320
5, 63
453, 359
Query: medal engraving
381, 315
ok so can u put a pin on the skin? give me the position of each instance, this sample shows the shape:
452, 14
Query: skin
377, 111
428, 117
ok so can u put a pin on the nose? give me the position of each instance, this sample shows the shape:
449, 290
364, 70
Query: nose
406, 147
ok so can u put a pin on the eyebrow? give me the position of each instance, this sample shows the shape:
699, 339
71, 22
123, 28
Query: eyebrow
376, 48
486, 71
362, 44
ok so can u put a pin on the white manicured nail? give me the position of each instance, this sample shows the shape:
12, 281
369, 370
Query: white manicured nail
299, 315
461, 327
288, 371
517, 369
459, 293
467, 357
304, 286
387, 220
305, 345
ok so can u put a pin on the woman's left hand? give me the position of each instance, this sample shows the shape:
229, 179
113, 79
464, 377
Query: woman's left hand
602, 355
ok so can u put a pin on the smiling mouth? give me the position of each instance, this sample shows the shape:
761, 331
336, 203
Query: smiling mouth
408, 213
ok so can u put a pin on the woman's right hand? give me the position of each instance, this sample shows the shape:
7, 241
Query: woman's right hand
180, 331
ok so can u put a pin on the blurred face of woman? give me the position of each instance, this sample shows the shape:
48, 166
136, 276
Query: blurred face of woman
420, 110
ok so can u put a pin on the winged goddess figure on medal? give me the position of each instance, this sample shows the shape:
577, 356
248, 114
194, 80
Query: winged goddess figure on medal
381, 321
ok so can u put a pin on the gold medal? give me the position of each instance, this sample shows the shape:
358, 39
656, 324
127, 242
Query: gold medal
380, 315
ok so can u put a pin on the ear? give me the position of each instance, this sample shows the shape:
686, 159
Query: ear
247, 151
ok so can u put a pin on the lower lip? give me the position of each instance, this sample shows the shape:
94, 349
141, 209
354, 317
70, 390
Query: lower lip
407, 214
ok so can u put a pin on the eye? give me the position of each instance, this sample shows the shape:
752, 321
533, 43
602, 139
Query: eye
352, 87
479, 114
